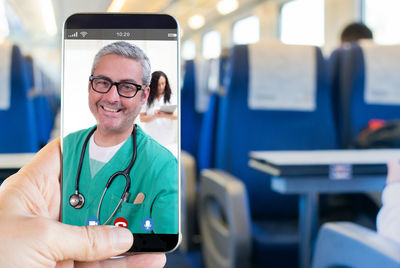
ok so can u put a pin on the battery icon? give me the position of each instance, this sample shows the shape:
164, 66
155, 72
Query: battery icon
172, 35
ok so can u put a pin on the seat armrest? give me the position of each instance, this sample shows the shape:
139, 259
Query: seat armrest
224, 220
351, 245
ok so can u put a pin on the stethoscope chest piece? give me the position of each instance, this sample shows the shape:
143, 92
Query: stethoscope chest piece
76, 200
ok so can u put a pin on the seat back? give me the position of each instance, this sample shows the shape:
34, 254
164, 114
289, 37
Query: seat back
335, 63
206, 151
190, 119
43, 112
368, 83
242, 129
188, 201
19, 130
224, 221
346, 244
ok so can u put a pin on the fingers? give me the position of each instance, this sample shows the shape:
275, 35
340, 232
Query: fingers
94, 243
65, 264
156, 260
35, 189
146, 260
46, 163
38, 183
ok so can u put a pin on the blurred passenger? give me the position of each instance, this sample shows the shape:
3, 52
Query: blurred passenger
157, 123
388, 220
354, 32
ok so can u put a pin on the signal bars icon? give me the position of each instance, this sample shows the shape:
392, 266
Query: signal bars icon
75, 35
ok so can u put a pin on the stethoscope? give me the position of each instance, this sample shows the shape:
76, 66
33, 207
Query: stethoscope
77, 200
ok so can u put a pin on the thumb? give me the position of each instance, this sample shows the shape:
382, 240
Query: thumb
90, 243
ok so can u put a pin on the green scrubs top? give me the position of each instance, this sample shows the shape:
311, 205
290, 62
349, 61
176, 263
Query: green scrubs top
154, 174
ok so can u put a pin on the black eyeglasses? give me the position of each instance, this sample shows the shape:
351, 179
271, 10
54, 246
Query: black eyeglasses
104, 84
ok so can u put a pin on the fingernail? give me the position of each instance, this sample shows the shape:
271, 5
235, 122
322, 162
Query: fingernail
122, 238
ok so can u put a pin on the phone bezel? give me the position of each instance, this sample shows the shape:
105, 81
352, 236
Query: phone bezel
142, 242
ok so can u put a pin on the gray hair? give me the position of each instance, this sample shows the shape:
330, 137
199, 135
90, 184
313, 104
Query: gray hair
129, 51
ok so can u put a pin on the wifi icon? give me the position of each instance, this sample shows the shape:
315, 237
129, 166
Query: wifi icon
83, 34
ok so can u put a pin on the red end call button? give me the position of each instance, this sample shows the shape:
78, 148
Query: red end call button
121, 222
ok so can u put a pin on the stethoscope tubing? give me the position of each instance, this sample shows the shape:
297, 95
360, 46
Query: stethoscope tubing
78, 173
125, 173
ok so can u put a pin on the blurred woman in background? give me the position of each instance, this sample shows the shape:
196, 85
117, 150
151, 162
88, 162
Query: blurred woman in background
158, 115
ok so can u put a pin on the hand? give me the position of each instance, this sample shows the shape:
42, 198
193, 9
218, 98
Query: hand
159, 113
31, 235
393, 171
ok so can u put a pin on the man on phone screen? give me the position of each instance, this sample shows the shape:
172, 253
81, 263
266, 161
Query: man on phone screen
118, 87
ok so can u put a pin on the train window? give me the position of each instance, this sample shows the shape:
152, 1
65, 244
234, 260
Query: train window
302, 22
188, 50
212, 45
382, 17
246, 31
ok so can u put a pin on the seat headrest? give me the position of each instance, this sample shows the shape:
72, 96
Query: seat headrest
5, 74
201, 83
207, 81
282, 77
382, 80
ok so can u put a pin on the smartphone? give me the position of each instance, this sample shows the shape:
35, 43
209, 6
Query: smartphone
120, 159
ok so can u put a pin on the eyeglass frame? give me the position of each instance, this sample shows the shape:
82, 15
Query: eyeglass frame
112, 83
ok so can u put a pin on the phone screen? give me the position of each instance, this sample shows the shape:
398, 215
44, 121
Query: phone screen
120, 150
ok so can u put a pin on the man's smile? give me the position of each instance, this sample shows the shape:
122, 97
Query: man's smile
109, 109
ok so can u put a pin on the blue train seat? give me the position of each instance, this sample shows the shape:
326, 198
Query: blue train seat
207, 140
43, 112
190, 117
242, 220
204, 159
190, 128
365, 87
19, 134
335, 62
346, 244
